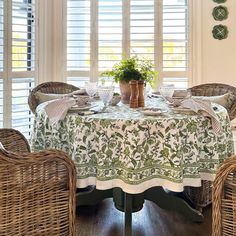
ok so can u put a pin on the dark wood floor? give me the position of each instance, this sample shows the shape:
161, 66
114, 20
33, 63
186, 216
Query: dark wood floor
105, 220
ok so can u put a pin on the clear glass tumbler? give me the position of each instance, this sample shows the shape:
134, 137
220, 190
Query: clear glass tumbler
91, 88
105, 93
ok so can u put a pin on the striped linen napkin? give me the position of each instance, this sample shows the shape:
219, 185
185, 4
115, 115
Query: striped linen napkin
57, 109
205, 108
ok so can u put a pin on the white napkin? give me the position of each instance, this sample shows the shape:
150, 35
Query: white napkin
57, 109
205, 108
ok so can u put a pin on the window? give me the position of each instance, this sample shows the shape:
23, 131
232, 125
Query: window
101, 32
17, 64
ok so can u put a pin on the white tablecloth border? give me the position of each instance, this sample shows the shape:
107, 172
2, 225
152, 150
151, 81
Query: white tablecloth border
139, 188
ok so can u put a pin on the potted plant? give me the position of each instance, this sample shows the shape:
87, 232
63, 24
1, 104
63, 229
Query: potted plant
129, 69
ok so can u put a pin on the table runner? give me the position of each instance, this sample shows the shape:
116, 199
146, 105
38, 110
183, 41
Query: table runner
124, 148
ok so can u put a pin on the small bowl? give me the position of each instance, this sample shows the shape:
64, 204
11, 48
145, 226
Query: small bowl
82, 100
175, 101
167, 90
115, 100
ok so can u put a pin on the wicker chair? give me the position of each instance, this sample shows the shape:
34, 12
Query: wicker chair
202, 196
224, 200
37, 191
51, 88
14, 141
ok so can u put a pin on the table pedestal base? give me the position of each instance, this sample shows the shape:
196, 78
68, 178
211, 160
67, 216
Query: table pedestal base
129, 203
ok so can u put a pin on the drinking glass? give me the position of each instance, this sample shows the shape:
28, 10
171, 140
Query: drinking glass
147, 90
167, 90
188, 94
105, 93
91, 88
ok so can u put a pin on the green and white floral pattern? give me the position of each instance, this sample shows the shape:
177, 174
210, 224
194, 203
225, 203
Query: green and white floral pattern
124, 148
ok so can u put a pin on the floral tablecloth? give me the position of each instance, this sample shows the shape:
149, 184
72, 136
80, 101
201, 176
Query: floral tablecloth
123, 148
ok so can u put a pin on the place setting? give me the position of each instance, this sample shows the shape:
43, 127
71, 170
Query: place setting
151, 111
182, 102
174, 98
98, 99
166, 101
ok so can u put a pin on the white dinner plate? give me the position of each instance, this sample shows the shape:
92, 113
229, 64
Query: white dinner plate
153, 111
80, 108
183, 110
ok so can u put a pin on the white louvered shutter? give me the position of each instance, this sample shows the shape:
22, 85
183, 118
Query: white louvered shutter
153, 29
17, 63
78, 41
142, 28
23, 62
176, 42
109, 33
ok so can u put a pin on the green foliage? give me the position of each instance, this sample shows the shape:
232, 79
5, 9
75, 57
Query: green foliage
133, 69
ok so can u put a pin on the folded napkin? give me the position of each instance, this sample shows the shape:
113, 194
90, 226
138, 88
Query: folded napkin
205, 108
57, 109
180, 93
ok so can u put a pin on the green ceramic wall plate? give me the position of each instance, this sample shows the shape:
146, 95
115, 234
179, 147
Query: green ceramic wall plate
220, 32
219, 1
220, 13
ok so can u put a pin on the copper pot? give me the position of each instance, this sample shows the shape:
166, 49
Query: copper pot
125, 92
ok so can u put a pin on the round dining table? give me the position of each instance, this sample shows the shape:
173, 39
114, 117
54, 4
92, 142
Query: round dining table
131, 156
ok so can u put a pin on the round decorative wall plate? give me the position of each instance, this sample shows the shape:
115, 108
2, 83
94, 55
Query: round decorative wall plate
220, 32
219, 1
220, 13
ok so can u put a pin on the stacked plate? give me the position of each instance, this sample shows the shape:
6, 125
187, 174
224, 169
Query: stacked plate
148, 111
183, 110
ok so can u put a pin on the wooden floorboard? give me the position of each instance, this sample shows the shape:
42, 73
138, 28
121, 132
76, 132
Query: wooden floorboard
105, 220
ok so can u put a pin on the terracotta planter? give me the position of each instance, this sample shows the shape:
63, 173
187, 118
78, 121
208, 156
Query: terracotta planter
125, 92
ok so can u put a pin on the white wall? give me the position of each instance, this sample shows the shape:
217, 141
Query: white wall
218, 56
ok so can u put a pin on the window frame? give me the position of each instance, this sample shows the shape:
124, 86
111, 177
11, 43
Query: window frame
158, 40
8, 74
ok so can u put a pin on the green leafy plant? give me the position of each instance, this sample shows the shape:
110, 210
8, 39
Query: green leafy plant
133, 69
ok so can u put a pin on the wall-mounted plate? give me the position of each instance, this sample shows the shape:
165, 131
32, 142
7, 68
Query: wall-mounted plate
220, 13
219, 1
220, 32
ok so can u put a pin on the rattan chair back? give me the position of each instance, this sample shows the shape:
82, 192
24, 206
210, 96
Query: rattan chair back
50, 88
202, 196
14, 141
37, 194
224, 200
215, 89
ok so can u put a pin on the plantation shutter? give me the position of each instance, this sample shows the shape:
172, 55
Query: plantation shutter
109, 33
176, 55
23, 62
142, 28
153, 29
78, 41
17, 63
